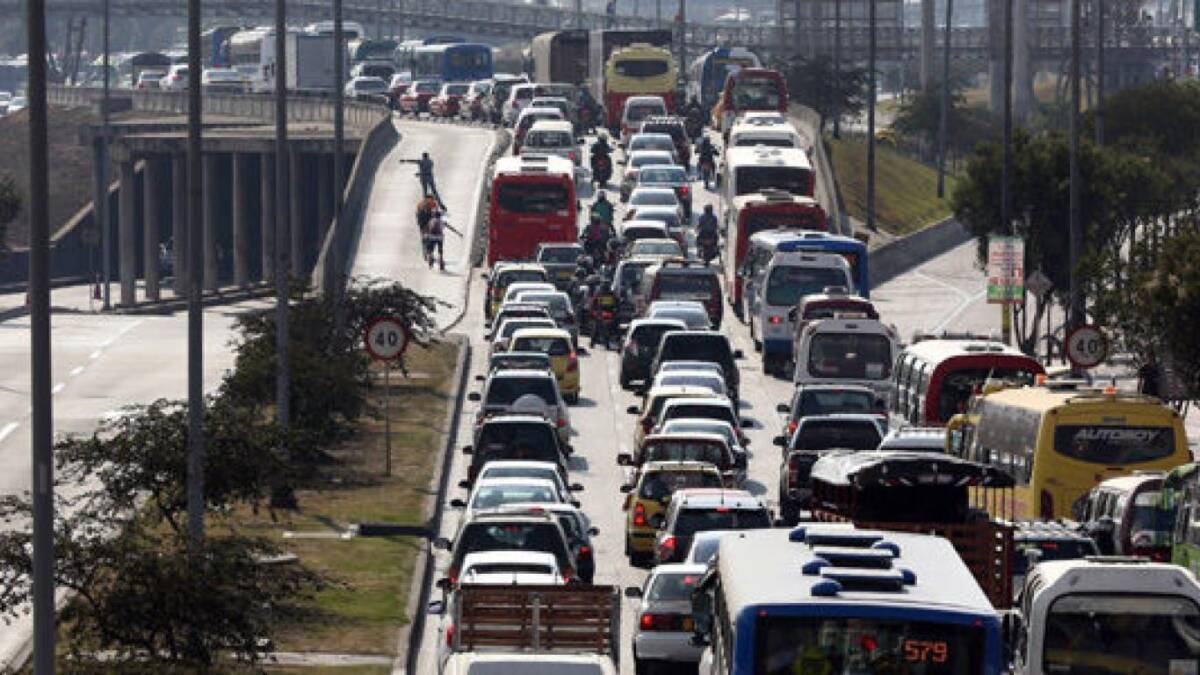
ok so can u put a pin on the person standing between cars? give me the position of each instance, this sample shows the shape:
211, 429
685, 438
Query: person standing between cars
425, 174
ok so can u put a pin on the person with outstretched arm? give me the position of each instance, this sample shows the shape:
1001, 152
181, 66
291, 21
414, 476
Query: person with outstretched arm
425, 173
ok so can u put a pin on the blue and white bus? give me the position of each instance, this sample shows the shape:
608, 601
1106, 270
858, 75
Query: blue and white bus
455, 62
833, 599
706, 75
853, 250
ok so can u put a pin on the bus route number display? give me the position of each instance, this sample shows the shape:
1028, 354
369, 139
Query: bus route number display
926, 651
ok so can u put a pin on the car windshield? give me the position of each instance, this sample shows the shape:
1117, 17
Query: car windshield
549, 139
850, 355
480, 537
645, 159
670, 176
691, 521
672, 587
686, 450
827, 434
831, 401
640, 111
668, 248
495, 496
525, 196
659, 484
508, 568
791, 179
503, 391
559, 254
517, 441
509, 327
686, 285
1099, 634
788, 284
554, 346
653, 198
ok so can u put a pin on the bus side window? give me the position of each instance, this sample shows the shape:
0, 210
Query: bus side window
917, 405
723, 642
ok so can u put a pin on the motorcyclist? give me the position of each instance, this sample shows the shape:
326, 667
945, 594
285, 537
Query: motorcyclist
707, 154
603, 208
604, 314
595, 235
601, 147
707, 233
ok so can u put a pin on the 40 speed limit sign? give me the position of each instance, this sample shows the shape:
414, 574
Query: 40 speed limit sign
1087, 347
386, 338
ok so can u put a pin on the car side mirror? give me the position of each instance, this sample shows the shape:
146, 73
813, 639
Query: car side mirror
633, 410
624, 459
466, 450
575, 487
779, 440
738, 354
576, 503
594, 531
783, 408
458, 504
474, 396
746, 423
626, 488
442, 543
633, 592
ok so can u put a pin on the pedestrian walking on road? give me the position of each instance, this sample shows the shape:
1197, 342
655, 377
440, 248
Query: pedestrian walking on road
425, 174
435, 238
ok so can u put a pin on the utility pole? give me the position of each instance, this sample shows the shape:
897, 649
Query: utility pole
339, 136
837, 67
195, 347
41, 441
1099, 72
283, 385
101, 205
871, 118
682, 35
945, 106
1006, 171
1075, 315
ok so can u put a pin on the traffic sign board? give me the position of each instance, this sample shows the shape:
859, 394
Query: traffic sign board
1005, 270
1087, 347
386, 338
1038, 283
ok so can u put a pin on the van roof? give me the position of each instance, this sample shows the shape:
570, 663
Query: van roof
767, 156
773, 197
704, 498
798, 240
552, 125
541, 333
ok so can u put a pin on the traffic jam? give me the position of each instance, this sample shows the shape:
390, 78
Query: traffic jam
692, 443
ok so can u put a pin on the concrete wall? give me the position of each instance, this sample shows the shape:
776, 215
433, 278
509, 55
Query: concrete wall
826, 191
897, 257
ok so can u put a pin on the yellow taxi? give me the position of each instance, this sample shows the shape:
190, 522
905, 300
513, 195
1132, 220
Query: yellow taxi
503, 275
557, 344
647, 496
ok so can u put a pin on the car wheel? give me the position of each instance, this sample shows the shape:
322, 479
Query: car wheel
641, 667
571, 399
789, 512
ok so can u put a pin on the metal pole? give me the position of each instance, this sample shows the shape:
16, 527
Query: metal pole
1099, 72
195, 347
837, 66
387, 419
41, 441
1006, 170
102, 204
339, 137
682, 37
945, 106
1076, 308
871, 118
283, 385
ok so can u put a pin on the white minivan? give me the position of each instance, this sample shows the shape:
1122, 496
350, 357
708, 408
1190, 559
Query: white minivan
847, 350
551, 137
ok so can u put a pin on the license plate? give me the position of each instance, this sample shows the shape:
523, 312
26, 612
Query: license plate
564, 274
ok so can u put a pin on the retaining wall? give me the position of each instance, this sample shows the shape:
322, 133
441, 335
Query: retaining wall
897, 257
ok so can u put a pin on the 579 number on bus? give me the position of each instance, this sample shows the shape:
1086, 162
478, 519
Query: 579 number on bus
926, 651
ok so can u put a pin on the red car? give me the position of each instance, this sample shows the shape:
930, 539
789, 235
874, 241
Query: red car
446, 103
416, 99
396, 89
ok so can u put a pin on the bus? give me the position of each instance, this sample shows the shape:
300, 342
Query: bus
532, 202
214, 46
706, 75
561, 56
853, 250
1058, 440
747, 171
366, 49
824, 598
638, 70
934, 379
246, 53
601, 45
750, 89
351, 30
766, 210
447, 62
1179, 503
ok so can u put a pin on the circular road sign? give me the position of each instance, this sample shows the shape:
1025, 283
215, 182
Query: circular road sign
386, 338
1086, 346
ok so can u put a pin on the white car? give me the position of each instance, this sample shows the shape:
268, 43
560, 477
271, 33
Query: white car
691, 312
495, 493
516, 288
527, 469
222, 80
692, 378
511, 568
365, 86
659, 249
149, 79
662, 142
176, 78
643, 197
504, 331
636, 161
663, 633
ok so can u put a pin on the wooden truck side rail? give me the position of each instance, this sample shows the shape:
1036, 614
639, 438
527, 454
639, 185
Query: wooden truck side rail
572, 618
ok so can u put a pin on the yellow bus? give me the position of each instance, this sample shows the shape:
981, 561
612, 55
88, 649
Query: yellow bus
638, 70
1060, 440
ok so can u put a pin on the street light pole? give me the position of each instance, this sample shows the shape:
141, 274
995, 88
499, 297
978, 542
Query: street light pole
871, 118
1006, 170
339, 136
283, 386
195, 346
1099, 72
101, 207
1075, 316
837, 68
945, 105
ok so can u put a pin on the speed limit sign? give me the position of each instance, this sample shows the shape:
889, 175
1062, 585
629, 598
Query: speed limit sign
1087, 347
386, 338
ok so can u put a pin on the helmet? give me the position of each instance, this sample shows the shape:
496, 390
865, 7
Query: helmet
708, 208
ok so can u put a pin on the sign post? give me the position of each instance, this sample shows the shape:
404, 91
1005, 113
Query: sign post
386, 338
1006, 277
1087, 346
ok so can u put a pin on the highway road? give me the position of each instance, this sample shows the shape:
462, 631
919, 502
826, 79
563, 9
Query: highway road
942, 294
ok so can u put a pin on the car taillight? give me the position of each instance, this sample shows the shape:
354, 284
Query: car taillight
793, 473
571, 155
450, 635
792, 427
775, 320
666, 548
639, 515
684, 190
562, 422
660, 622
585, 551
572, 363
1046, 504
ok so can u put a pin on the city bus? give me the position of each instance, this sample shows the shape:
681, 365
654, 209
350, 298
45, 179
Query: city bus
934, 379
1058, 440
446, 62
638, 70
214, 46
750, 170
706, 75
602, 43
766, 210
750, 89
560, 56
532, 202
825, 598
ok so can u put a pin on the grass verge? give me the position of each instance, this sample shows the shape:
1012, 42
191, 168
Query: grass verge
362, 611
905, 189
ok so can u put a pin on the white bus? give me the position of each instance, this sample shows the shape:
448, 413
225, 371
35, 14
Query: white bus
757, 169
846, 350
834, 599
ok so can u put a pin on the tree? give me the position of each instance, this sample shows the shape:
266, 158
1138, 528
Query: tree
10, 207
920, 116
817, 84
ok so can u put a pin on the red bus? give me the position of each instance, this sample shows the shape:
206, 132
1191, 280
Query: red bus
532, 202
767, 210
934, 378
750, 89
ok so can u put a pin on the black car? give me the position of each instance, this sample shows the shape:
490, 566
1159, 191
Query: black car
516, 531
827, 399
641, 346
813, 436
700, 345
515, 437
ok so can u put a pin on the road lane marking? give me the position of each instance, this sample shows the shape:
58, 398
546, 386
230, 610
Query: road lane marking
7, 429
76, 370
95, 355
58, 387
965, 300
123, 331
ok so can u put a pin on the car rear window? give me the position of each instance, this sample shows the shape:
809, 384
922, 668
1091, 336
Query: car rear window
661, 175
480, 537
654, 198
505, 390
517, 276
707, 347
673, 586
828, 402
659, 484
702, 411
548, 139
559, 254
517, 441
686, 450
686, 285
693, 520
554, 346
824, 435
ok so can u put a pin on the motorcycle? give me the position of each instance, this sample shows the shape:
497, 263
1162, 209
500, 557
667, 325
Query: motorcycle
707, 243
694, 126
601, 169
708, 169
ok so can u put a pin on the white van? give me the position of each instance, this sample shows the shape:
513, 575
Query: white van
518, 97
847, 350
775, 280
638, 108
551, 137
766, 132
755, 169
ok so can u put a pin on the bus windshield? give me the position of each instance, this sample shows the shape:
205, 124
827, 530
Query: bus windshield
845, 646
792, 179
1100, 634
756, 92
850, 355
641, 67
959, 385
1102, 444
787, 285
527, 197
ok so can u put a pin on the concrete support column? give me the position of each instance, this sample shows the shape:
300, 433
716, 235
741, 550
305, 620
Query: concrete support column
179, 228
127, 232
211, 191
325, 191
266, 162
928, 43
154, 185
241, 216
296, 222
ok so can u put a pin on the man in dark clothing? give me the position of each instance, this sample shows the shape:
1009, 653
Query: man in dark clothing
706, 234
604, 315
425, 174
707, 159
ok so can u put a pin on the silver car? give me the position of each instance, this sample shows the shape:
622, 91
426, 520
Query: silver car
664, 627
